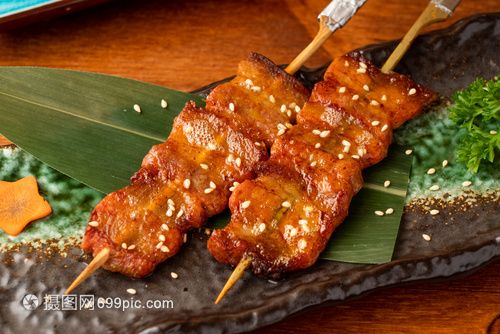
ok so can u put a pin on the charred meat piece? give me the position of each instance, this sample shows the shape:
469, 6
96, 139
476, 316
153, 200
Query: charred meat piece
283, 219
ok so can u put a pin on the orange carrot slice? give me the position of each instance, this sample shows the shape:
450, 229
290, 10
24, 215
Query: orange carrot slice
20, 204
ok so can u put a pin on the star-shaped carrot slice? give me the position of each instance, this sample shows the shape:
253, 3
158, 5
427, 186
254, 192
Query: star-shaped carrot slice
20, 203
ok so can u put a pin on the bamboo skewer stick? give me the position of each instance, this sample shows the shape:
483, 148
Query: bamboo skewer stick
98, 261
238, 271
430, 15
323, 34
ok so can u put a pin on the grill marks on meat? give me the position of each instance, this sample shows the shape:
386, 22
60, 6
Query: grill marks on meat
186, 180
302, 193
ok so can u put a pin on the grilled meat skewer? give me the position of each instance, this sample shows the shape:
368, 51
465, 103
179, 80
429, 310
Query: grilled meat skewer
282, 220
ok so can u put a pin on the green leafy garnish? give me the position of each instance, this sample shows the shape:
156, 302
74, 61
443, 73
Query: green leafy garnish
477, 109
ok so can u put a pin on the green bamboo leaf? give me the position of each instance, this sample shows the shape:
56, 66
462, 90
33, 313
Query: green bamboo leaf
84, 124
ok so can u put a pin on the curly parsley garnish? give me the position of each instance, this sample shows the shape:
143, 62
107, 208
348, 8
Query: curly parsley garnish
477, 109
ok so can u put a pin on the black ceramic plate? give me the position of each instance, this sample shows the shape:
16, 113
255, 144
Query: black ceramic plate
444, 61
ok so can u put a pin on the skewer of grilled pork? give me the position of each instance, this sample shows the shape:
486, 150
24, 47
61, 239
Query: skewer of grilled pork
189, 178
282, 220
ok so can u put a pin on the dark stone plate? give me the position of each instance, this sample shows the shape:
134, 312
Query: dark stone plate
444, 61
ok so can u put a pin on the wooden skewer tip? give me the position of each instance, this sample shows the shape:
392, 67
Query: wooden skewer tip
238, 271
97, 262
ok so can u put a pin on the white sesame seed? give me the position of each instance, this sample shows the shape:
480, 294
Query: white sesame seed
164, 104
297, 108
94, 224
341, 156
408, 152
293, 232
158, 246
249, 82
363, 65
355, 156
131, 247
493, 132
346, 149
171, 207
212, 185
361, 152
189, 129
137, 108
174, 275
384, 98
283, 108
161, 237
434, 212
385, 127
207, 231
272, 99
230, 157
204, 166
342, 90
303, 221
434, 187
387, 183
232, 189
361, 70
245, 205
374, 103
208, 190
292, 105
164, 227
238, 162
375, 123
346, 63
289, 113
187, 183
256, 88
365, 87
124, 246
257, 144
445, 163
318, 145
231, 106
281, 126
170, 212
288, 125
286, 204
164, 249
180, 213
466, 183
379, 213
308, 209
262, 227
314, 163
324, 134
426, 237
431, 171
302, 243
131, 291
281, 132
389, 211
170, 201
346, 142
317, 132
412, 91
355, 97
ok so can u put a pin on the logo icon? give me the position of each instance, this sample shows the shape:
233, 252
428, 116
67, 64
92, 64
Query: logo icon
30, 302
